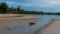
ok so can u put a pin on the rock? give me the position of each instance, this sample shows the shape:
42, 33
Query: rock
32, 23
8, 28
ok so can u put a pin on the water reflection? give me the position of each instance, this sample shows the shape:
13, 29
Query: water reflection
24, 28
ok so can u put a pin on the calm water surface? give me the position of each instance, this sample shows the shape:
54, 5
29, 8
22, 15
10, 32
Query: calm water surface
24, 28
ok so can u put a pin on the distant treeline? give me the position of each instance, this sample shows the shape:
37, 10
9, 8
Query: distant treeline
4, 9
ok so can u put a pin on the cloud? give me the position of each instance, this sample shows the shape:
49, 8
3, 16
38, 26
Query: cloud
35, 3
46, 3
17, 3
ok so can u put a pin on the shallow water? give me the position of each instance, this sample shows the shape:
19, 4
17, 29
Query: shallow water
24, 28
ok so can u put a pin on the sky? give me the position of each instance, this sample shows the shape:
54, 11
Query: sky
37, 5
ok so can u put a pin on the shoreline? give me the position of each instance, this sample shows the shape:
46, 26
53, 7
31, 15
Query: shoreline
4, 20
39, 31
48, 27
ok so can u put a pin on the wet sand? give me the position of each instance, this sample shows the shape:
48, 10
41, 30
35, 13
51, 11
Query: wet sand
6, 19
53, 28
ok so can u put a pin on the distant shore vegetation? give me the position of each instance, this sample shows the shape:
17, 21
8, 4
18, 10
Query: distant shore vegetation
4, 9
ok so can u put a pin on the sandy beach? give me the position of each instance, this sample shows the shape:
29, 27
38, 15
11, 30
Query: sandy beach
15, 17
11, 21
12, 18
4, 19
53, 28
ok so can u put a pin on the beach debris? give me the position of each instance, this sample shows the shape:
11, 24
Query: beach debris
31, 23
8, 28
